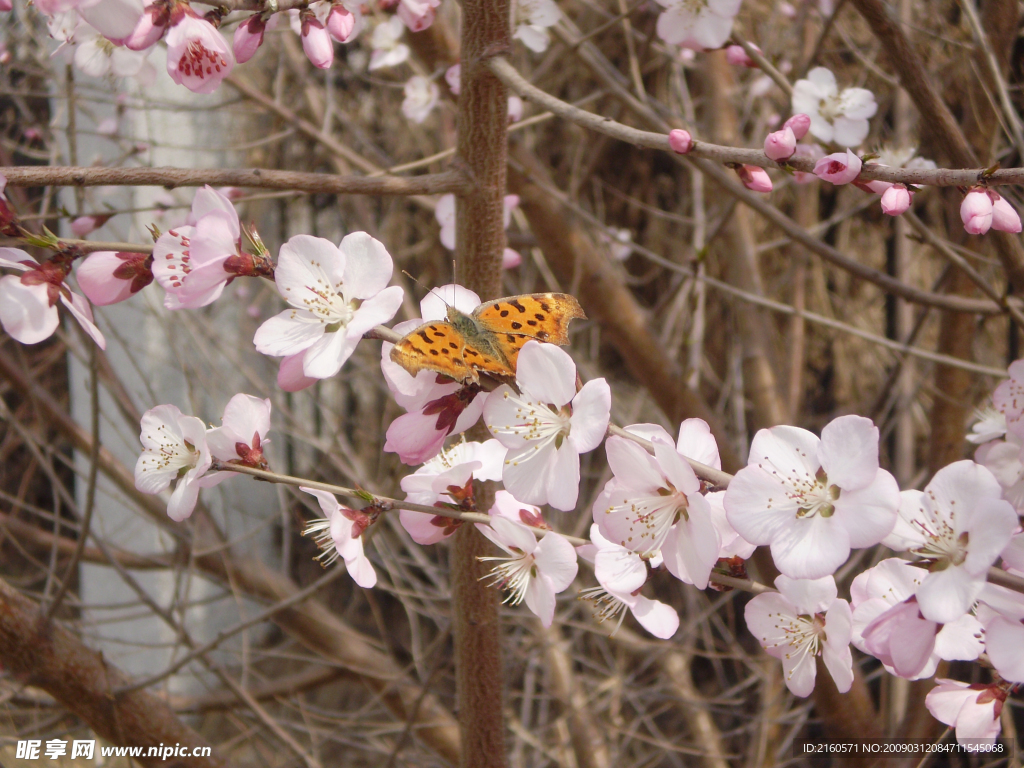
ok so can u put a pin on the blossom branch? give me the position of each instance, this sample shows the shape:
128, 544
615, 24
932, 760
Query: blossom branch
428, 184
940, 177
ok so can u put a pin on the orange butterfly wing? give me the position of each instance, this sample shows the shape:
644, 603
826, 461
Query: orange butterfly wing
490, 340
517, 319
435, 346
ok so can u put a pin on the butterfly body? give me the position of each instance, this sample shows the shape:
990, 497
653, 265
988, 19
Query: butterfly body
489, 339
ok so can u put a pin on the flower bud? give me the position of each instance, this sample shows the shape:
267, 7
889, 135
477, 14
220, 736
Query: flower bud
896, 200
976, 212
248, 38
838, 168
452, 77
1004, 217
149, 28
754, 178
515, 109
316, 41
800, 124
680, 141
106, 277
737, 56
780, 145
340, 23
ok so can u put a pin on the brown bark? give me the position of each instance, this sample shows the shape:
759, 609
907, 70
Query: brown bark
480, 242
48, 656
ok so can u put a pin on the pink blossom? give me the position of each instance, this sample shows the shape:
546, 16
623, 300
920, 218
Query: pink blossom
436, 405
754, 178
700, 26
387, 50
28, 302
241, 438
339, 534
896, 200
316, 41
114, 19
421, 96
194, 263
106, 277
515, 109
434, 483
290, 377
197, 56
1004, 217
150, 27
836, 116
621, 573
531, 571
1008, 397
799, 124
173, 448
976, 212
248, 37
680, 141
653, 504
780, 145
887, 623
452, 77
547, 425
813, 500
6, 5
959, 524
804, 620
532, 19
510, 259
737, 56
838, 168
417, 15
342, 23
337, 294
972, 709
83, 225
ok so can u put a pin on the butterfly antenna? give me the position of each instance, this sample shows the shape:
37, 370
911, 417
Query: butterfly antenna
428, 290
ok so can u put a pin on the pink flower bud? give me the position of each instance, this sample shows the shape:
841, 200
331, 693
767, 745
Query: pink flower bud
452, 77
106, 277
6, 5
340, 23
876, 187
754, 178
83, 225
510, 259
976, 212
896, 200
316, 41
680, 141
800, 124
149, 28
839, 168
780, 145
515, 109
1004, 218
737, 56
248, 38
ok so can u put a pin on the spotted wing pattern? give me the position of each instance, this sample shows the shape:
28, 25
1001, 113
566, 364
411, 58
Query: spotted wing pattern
517, 319
435, 346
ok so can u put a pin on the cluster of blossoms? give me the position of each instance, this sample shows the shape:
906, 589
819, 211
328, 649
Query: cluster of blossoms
810, 499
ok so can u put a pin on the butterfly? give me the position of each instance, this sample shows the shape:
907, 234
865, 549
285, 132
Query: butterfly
489, 339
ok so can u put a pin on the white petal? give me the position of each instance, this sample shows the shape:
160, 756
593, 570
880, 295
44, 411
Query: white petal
848, 452
808, 596
947, 595
328, 502
847, 132
633, 465
696, 442
540, 598
182, 501
376, 310
547, 373
810, 548
368, 266
563, 484
1003, 642
691, 546
991, 525
676, 469
288, 333
960, 640
836, 652
326, 356
79, 307
556, 559
591, 408
657, 618
434, 305
25, 311
869, 514
758, 506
